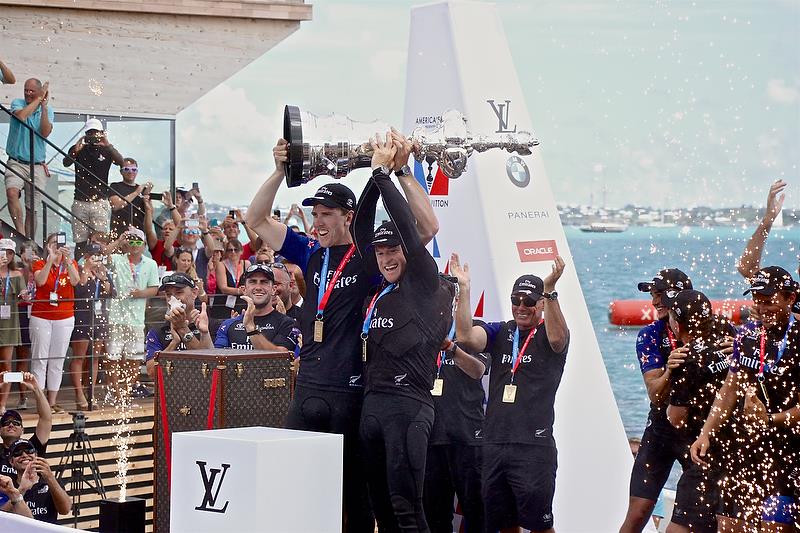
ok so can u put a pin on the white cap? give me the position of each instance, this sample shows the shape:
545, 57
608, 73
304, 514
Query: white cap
8, 244
132, 230
93, 124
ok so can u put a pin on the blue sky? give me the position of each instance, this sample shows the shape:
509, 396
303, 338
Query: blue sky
667, 104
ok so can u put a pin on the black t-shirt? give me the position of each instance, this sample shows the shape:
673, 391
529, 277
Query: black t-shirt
696, 382
335, 363
41, 503
294, 312
5, 461
158, 339
98, 160
406, 331
653, 346
128, 215
529, 419
277, 328
459, 410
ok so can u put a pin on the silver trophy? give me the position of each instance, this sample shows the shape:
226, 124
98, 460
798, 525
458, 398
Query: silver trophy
450, 144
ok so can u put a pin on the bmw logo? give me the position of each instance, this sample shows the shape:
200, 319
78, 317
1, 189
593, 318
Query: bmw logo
518, 171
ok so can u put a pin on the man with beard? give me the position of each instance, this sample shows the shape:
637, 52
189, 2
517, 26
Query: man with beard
328, 395
261, 326
284, 283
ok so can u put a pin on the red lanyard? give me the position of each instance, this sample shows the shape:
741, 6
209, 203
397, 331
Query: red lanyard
671, 337
522, 350
323, 302
762, 353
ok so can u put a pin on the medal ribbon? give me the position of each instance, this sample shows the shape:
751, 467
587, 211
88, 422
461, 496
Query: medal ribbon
325, 287
442, 357
781, 349
371, 308
671, 337
236, 274
516, 353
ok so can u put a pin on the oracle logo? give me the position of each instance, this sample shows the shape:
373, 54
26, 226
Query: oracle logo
530, 251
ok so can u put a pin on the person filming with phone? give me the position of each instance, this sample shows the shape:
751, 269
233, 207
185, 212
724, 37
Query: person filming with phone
93, 156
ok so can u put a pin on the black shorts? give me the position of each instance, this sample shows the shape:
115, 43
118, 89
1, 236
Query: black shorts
657, 454
453, 470
697, 499
519, 481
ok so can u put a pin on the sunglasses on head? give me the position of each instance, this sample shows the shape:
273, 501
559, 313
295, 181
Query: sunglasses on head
523, 299
130, 169
12, 422
30, 450
279, 266
259, 266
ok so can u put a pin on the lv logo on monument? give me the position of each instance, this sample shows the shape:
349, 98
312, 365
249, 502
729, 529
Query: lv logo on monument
210, 496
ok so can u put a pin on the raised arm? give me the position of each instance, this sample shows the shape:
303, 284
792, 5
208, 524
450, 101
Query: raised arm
24, 112
418, 200
750, 261
259, 212
118, 203
554, 322
149, 230
7, 75
468, 364
470, 338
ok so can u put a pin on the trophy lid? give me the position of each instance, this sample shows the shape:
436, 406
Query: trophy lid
293, 133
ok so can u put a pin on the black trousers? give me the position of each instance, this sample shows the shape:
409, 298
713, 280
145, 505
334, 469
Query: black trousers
394, 433
338, 412
453, 470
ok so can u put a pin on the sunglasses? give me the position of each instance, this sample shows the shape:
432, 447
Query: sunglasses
279, 266
259, 266
522, 299
192, 231
229, 250
135, 242
12, 422
130, 169
28, 450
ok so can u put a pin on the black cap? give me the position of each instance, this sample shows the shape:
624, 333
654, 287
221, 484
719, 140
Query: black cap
770, 280
21, 443
333, 195
669, 278
10, 414
258, 267
530, 285
386, 235
179, 280
691, 306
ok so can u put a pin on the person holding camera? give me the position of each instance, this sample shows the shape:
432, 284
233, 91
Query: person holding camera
53, 314
127, 199
37, 483
93, 156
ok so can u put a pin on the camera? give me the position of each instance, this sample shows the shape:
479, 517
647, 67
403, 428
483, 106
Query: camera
61, 238
157, 196
93, 138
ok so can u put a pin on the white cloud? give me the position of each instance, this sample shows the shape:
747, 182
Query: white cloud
778, 91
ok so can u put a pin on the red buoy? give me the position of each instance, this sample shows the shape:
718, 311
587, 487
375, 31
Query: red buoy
642, 312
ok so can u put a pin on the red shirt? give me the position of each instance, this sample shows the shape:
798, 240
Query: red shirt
62, 286
157, 253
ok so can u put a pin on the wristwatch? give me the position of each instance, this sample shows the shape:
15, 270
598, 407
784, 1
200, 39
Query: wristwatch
17, 500
253, 333
552, 296
405, 170
383, 169
188, 337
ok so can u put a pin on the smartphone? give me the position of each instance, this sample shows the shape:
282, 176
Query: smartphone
214, 222
232, 213
276, 212
196, 186
157, 196
192, 223
12, 377
61, 239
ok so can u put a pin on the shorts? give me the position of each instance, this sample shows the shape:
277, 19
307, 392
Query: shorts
83, 332
40, 177
96, 214
24, 325
519, 481
127, 341
657, 453
697, 499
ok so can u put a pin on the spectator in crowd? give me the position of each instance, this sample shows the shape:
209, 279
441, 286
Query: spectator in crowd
39, 487
135, 279
11, 427
184, 264
216, 258
27, 257
168, 229
35, 112
284, 283
229, 272
230, 227
127, 199
93, 156
296, 212
53, 314
91, 320
13, 284
190, 232
265, 255
6, 76
185, 327
15, 502
299, 288
184, 198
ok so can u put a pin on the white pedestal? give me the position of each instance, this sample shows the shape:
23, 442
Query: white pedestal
276, 480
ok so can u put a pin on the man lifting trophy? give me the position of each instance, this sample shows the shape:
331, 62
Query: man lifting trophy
450, 144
